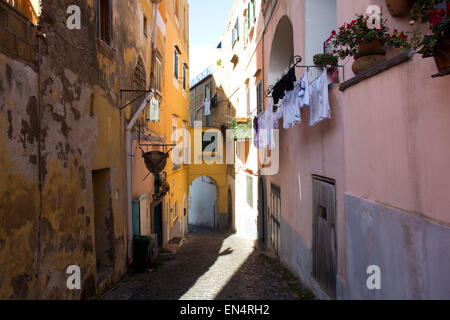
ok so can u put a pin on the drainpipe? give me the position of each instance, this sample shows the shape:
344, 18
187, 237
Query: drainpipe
129, 145
155, 31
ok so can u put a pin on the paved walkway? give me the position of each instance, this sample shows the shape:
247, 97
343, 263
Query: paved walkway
214, 266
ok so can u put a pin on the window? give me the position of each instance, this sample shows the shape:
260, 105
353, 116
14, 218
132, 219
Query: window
207, 91
175, 63
250, 191
145, 25
157, 74
253, 10
184, 76
104, 12
259, 97
177, 6
235, 32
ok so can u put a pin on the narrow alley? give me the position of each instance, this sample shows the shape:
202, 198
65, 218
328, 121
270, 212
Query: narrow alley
214, 266
224, 150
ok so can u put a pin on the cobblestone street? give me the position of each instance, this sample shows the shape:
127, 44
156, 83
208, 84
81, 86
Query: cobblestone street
214, 266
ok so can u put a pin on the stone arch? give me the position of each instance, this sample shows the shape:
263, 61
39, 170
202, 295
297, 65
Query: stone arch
282, 50
204, 202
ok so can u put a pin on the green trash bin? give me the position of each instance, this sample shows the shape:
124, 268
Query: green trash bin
141, 253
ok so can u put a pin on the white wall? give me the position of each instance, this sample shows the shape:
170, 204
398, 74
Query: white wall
203, 203
321, 18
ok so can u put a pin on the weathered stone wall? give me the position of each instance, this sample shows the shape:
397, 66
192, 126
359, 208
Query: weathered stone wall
59, 122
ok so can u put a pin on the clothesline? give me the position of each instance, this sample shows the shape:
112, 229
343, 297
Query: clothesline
303, 94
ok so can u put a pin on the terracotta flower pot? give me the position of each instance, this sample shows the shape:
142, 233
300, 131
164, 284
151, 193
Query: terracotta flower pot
399, 8
442, 55
370, 48
369, 55
363, 63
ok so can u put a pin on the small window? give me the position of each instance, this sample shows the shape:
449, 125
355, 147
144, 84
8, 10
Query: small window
259, 97
235, 32
145, 26
157, 74
177, 6
175, 64
207, 92
184, 77
104, 12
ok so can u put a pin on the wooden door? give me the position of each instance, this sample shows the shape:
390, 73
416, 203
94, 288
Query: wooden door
324, 242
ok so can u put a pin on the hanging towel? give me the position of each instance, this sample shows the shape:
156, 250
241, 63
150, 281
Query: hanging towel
291, 110
304, 92
320, 106
207, 107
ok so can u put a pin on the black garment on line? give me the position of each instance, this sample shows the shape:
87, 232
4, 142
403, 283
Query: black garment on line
284, 85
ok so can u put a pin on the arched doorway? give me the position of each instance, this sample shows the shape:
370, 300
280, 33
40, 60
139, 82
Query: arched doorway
203, 203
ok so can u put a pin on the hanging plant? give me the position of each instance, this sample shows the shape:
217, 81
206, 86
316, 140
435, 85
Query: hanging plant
399, 8
436, 42
325, 59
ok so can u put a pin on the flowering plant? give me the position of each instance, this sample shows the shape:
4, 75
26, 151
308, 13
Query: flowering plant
348, 37
425, 11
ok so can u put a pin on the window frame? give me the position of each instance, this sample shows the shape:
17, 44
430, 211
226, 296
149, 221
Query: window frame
176, 66
145, 26
107, 38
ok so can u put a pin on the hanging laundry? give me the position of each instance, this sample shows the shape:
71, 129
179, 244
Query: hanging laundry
154, 110
320, 106
207, 104
291, 110
267, 123
286, 84
304, 92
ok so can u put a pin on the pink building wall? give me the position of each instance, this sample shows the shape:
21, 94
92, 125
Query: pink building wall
387, 148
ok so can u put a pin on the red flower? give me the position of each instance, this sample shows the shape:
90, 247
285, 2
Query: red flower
436, 16
333, 33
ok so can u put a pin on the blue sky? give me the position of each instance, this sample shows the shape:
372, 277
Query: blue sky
207, 23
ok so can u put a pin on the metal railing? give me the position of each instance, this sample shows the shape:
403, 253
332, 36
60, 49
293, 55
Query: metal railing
205, 73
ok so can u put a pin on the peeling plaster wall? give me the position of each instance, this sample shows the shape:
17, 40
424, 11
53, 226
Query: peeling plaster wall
81, 129
19, 192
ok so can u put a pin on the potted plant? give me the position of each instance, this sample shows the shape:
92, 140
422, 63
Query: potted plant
330, 61
399, 8
436, 42
366, 44
325, 59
